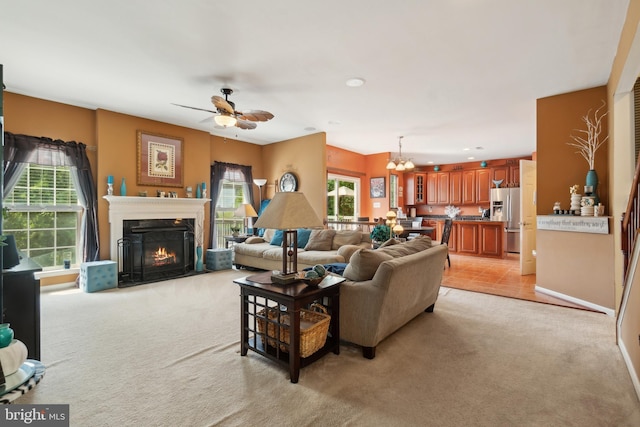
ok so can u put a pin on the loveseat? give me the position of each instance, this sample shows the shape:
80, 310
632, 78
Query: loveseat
321, 246
388, 287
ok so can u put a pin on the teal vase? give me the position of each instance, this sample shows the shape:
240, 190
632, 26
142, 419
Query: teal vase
6, 335
592, 180
123, 188
199, 258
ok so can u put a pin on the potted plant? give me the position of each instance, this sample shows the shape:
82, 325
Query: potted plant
235, 231
380, 233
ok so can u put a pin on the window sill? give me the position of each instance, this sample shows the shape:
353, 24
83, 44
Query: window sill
55, 273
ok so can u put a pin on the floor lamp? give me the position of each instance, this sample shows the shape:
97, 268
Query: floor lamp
260, 182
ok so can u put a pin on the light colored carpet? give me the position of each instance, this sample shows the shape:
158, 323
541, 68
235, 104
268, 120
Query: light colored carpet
167, 354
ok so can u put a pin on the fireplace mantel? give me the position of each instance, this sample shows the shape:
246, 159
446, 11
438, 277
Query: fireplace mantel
123, 208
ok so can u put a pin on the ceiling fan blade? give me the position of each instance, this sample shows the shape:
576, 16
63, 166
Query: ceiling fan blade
255, 115
194, 108
221, 104
244, 124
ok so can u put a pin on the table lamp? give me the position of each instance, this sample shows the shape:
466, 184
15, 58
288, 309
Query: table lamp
288, 211
245, 211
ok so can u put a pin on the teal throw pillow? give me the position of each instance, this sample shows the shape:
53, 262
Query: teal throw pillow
303, 237
277, 238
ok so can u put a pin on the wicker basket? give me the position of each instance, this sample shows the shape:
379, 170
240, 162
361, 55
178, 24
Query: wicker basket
314, 326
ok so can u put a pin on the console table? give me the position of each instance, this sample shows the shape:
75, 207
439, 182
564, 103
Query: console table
21, 300
256, 293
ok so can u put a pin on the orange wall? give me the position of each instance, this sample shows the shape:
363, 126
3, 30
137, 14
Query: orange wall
306, 158
559, 166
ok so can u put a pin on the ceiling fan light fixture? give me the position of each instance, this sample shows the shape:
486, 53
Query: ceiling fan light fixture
225, 120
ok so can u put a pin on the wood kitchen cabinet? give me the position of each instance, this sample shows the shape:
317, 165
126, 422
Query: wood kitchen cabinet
432, 188
443, 188
468, 187
483, 186
514, 171
455, 188
501, 173
420, 188
468, 238
491, 239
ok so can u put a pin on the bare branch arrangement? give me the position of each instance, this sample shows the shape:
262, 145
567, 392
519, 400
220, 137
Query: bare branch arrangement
589, 141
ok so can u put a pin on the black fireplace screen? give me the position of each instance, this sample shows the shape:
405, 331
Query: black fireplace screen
153, 250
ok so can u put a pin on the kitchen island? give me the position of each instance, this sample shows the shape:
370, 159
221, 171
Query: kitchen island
482, 238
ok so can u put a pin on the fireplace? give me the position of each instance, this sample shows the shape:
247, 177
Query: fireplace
155, 249
142, 209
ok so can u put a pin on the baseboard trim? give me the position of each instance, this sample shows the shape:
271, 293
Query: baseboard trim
605, 310
632, 372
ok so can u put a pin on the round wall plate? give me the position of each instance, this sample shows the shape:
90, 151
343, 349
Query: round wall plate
288, 182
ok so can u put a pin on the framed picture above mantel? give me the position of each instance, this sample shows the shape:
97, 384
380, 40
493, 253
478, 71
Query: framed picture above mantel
159, 160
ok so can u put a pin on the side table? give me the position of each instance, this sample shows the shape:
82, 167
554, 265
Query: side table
19, 383
258, 293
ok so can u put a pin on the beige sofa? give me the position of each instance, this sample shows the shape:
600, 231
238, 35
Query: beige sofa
393, 285
324, 247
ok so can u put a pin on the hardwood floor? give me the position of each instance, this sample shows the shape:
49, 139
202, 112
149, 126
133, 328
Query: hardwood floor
497, 277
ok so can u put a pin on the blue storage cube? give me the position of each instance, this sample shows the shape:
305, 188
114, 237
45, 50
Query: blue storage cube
98, 275
219, 259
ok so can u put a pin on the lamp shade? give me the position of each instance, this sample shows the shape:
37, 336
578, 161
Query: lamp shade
288, 210
259, 182
245, 210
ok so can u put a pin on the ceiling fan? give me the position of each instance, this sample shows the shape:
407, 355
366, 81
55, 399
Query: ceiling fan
227, 115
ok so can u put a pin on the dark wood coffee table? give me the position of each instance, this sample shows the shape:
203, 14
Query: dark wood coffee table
257, 293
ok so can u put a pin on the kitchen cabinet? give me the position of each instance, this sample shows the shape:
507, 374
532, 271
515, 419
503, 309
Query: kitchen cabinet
491, 239
432, 188
514, 171
455, 187
501, 173
476, 238
443, 188
420, 188
468, 187
483, 186
468, 238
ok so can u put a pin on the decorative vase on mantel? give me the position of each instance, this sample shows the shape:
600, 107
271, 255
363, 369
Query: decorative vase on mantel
592, 181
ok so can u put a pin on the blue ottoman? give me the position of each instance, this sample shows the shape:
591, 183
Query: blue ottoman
219, 259
98, 275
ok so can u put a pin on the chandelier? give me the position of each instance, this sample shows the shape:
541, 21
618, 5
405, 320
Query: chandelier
399, 163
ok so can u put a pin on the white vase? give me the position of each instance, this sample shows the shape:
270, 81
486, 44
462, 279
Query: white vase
13, 356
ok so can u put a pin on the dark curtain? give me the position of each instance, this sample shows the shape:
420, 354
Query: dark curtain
22, 149
220, 170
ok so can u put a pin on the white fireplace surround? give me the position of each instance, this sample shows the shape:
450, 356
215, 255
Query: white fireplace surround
123, 208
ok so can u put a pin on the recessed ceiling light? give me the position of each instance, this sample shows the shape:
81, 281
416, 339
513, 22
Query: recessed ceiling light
470, 158
355, 82
310, 129
479, 148
430, 162
466, 149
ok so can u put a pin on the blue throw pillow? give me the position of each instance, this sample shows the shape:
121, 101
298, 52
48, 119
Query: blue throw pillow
303, 237
277, 238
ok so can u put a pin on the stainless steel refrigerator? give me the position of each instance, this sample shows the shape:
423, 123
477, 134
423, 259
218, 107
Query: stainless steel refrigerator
505, 206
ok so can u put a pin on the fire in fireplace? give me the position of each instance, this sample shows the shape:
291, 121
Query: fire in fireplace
157, 249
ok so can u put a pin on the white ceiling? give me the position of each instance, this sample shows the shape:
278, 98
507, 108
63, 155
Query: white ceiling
445, 74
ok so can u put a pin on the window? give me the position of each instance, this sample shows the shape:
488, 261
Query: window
343, 197
232, 194
42, 212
